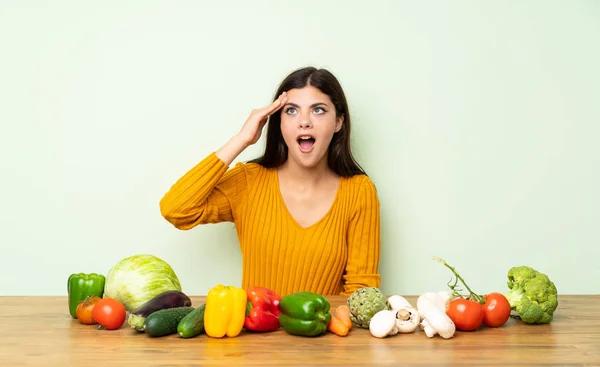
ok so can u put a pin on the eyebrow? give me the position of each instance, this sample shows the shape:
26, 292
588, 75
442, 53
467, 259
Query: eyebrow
312, 105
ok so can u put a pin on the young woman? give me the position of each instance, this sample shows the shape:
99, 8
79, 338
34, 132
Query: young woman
306, 215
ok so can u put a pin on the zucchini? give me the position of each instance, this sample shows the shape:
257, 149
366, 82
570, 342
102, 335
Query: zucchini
168, 299
164, 322
192, 324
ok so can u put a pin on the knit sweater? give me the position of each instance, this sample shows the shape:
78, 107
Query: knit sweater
334, 256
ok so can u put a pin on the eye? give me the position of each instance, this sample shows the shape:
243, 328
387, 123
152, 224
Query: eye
320, 110
290, 110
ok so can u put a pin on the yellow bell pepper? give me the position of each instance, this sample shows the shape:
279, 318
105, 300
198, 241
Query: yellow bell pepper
225, 311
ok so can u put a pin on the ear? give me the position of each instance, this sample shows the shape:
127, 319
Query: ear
339, 123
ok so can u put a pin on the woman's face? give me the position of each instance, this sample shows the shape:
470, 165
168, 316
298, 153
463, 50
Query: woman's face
308, 122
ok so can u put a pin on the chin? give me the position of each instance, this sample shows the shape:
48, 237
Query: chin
309, 162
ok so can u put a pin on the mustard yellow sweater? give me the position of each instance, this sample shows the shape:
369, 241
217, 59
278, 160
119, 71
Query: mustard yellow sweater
336, 255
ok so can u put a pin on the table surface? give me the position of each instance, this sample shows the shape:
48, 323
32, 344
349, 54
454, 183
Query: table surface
38, 331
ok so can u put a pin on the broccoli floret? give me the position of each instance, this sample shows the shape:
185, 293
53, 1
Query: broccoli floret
532, 295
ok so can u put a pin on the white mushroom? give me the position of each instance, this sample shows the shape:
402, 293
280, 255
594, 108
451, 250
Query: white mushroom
398, 302
383, 324
407, 319
432, 309
446, 297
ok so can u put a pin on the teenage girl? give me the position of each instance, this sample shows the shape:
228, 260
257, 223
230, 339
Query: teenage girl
306, 214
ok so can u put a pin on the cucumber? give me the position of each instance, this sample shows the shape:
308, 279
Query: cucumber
192, 324
168, 299
164, 322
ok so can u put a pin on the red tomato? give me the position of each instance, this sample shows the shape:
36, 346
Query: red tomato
496, 310
109, 313
466, 314
85, 309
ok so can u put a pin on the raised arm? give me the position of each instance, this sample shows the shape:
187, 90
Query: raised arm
364, 241
209, 193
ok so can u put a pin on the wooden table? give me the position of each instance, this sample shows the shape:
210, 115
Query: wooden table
38, 331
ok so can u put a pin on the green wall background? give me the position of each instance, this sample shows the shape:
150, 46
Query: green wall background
478, 122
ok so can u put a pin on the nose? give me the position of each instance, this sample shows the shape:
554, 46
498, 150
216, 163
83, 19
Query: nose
304, 122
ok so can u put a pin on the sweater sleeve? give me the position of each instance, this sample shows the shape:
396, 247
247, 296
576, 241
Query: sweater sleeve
363, 241
208, 193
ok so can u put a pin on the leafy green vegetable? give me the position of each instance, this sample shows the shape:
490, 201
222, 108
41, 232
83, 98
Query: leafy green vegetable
137, 279
532, 295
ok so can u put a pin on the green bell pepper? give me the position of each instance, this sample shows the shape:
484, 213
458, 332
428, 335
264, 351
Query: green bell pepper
304, 314
80, 286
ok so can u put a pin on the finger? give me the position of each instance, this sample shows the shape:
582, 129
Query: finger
273, 106
277, 104
284, 99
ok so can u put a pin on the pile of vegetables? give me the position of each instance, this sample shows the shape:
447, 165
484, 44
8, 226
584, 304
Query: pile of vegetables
532, 298
88, 304
132, 282
137, 279
144, 292
469, 312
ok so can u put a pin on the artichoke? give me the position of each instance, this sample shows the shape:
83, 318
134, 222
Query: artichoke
364, 303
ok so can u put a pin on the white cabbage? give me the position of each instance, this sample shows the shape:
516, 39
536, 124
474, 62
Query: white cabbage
137, 279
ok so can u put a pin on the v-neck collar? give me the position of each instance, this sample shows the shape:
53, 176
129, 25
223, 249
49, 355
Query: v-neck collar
289, 214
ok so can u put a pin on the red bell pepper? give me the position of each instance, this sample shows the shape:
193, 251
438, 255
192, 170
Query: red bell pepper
262, 309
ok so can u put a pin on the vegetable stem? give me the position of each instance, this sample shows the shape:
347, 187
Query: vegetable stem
472, 295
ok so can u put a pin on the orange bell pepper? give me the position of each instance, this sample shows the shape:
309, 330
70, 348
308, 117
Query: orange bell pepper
225, 311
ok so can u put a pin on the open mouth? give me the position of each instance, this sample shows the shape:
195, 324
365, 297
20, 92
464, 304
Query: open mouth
306, 143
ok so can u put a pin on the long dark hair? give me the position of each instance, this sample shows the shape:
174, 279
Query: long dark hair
339, 156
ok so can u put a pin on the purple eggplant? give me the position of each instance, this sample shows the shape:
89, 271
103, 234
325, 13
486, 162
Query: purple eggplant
168, 299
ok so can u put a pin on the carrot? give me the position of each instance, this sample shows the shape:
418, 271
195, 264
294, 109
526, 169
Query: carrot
340, 323
343, 313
